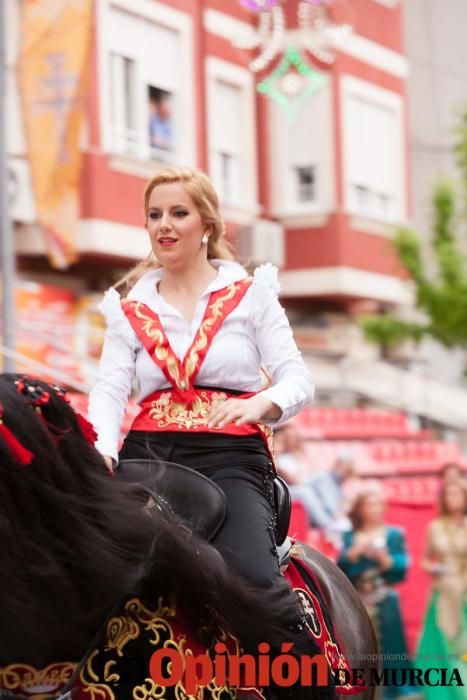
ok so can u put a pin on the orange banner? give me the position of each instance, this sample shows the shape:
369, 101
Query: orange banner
52, 67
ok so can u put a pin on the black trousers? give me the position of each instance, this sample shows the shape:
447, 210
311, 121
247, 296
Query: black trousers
241, 467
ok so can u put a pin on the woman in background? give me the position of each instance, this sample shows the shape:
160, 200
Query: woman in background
443, 641
374, 557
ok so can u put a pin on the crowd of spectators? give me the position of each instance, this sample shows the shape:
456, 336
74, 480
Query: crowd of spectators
350, 513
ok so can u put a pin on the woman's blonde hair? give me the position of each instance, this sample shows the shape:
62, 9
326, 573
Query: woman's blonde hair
442, 498
199, 187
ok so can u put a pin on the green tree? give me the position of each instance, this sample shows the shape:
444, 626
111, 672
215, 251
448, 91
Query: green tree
442, 296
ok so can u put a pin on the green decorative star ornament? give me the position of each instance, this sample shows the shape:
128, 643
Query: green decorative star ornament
291, 83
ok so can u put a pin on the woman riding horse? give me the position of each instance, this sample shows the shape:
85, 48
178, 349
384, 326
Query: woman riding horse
89, 570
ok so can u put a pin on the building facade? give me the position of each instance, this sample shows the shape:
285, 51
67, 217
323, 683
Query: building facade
319, 195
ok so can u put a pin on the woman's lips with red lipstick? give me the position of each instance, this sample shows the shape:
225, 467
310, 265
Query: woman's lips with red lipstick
167, 241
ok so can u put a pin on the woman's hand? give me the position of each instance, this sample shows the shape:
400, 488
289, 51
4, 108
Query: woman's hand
355, 552
434, 568
242, 411
383, 557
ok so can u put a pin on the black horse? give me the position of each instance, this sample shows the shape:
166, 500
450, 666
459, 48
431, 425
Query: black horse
327, 596
116, 573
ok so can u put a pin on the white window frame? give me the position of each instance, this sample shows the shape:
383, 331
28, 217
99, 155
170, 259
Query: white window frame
394, 102
128, 137
388, 3
175, 20
218, 70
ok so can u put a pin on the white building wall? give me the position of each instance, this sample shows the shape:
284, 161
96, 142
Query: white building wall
437, 94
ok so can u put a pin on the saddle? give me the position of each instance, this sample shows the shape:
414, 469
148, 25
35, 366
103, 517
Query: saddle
195, 499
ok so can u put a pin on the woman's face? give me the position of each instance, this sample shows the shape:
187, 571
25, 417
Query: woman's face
455, 499
372, 510
452, 473
175, 227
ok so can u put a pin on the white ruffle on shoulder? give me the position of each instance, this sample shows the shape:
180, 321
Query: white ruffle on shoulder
267, 276
111, 308
265, 289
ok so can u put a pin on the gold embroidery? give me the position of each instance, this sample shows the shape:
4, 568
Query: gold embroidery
149, 690
215, 311
171, 413
161, 351
101, 676
110, 677
164, 631
120, 631
24, 676
336, 661
154, 621
88, 666
98, 692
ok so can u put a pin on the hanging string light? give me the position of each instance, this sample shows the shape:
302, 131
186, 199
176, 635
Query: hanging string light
294, 79
318, 34
258, 5
268, 38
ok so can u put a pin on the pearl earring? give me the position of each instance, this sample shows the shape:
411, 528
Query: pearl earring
204, 239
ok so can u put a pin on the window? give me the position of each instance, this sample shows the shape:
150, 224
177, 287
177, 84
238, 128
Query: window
302, 180
161, 129
227, 175
373, 167
227, 139
123, 101
231, 134
305, 183
151, 81
373, 151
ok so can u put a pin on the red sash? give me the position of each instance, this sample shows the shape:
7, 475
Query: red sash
185, 408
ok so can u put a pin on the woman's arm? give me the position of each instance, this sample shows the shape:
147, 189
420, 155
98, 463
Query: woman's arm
109, 396
293, 386
429, 561
351, 559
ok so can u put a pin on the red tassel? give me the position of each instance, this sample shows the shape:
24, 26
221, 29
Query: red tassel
87, 429
23, 456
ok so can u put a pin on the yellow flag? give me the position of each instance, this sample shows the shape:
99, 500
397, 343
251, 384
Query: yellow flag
52, 71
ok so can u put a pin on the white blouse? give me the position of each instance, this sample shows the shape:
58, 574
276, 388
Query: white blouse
255, 334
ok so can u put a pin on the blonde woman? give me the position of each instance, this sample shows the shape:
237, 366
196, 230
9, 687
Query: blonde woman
194, 330
444, 637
